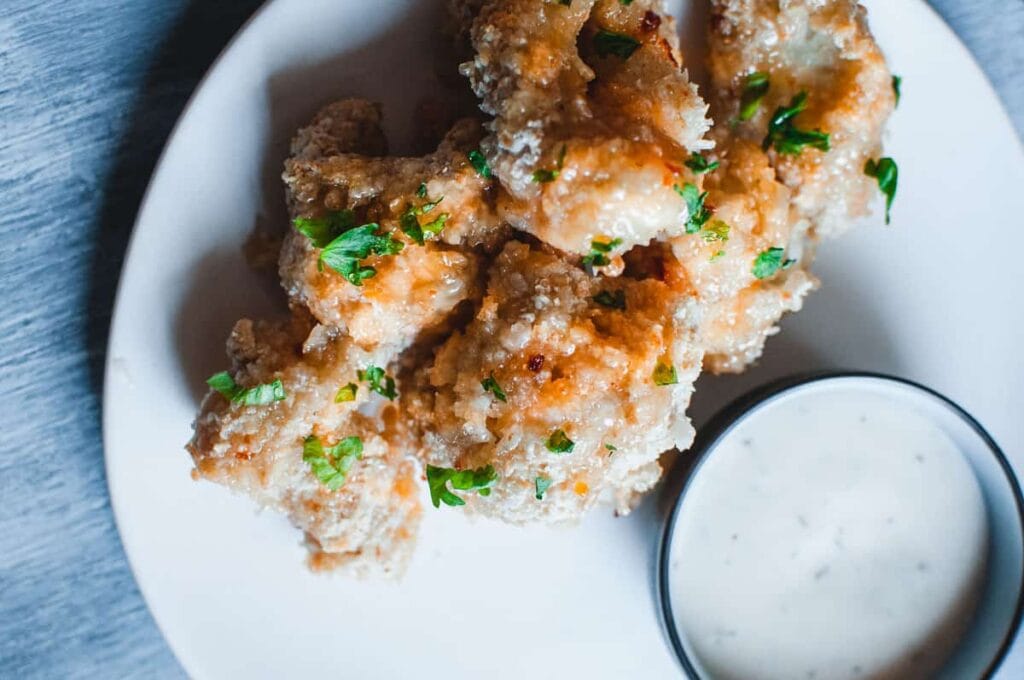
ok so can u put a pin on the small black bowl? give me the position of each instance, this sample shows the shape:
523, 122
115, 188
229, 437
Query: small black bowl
997, 618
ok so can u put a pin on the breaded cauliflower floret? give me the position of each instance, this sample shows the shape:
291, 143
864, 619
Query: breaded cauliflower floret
587, 142
420, 286
564, 362
370, 522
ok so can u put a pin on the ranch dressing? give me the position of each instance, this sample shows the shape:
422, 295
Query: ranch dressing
833, 533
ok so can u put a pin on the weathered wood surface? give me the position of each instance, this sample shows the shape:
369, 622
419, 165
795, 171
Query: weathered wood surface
89, 91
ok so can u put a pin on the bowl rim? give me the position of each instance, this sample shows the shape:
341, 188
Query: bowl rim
719, 425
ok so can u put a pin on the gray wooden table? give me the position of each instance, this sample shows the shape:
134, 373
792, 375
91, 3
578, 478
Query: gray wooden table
89, 90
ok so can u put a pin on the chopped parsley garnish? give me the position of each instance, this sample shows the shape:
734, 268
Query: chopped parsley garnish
380, 382
346, 393
480, 480
608, 43
409, 221
344, 253
665, 374
544, 175
322, 230
786, 137
719, 254
331, 465
716, 231
768, 262
754, 90
613, 299
627, 3
599, 250
699, 164
479, 162
886, 172
897, 81
558, 442
491, 385
261, 395
611, 447
698, 213
541, 485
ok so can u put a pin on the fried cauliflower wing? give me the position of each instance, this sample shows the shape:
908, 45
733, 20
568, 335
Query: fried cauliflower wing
771, 199
609, 120
420, 286
610, 363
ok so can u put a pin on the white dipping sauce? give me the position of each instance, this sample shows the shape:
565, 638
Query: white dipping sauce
833, 533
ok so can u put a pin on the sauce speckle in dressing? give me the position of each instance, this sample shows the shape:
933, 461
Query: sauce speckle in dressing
833, 533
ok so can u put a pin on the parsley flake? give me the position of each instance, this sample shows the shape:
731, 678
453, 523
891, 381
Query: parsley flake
608, 43
480, 480
541, 485
558, 442
665, 374
719, 254
491, 385
346, 393
322, 230
786, 137
544, 175
599, 250
409, 221
768, 262
699, 164
886, 172
716, 231
697, 213
897, 81
754, 90
479, 163
422, 191
260, 395
613, 299
611, 447
331, 465
344, 253
375, 375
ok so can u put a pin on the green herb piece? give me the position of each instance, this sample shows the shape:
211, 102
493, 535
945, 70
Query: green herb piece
491, 385
699, 164
567, 3
697, 212
627, 3
346, 393
410, 226
322, 230
611, 447
558, 442
422, 191
897, 81
719, 254
479, 162
886, 172
599, 250
331, 465
614, 299
768, 262
409, 221
380, 382
788, 262
480, 480
543, 175
434, 227
754, 90
260, 395
541, 485
608, 43
665, 374
344, 253
716, 231
786, 137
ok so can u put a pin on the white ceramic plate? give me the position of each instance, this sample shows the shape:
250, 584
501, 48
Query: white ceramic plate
936, 297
